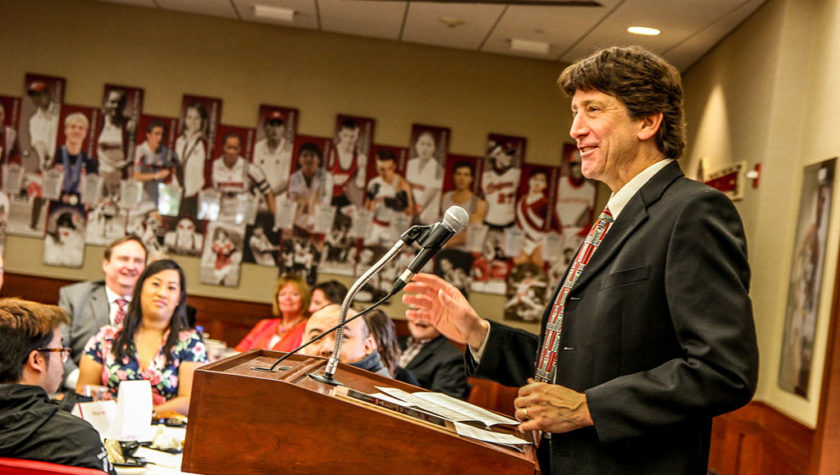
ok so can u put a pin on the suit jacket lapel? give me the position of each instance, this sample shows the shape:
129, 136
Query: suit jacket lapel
631, 217
425, 353
99, 306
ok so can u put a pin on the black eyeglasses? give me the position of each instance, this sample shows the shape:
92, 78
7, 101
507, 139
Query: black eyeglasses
65, 352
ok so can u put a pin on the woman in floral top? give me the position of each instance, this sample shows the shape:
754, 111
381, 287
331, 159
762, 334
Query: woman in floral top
154, 343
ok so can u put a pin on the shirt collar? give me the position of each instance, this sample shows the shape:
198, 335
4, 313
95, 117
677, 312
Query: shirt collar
113, 296
619, 199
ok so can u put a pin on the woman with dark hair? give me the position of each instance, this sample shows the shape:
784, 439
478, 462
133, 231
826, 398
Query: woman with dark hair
385, 333
154, 343
325, 293
290, 309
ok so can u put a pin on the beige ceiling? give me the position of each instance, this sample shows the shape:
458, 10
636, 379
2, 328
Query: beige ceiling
689, 27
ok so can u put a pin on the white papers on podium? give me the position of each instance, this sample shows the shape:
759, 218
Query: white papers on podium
449, 407
488, 436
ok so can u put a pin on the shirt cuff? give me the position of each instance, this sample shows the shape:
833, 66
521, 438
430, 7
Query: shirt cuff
477, 353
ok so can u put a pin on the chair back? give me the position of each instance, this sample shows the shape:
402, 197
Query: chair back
10, 466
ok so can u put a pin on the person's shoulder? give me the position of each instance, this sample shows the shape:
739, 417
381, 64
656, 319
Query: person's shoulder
82, 287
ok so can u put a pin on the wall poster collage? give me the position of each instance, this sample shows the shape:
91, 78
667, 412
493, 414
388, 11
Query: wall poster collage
190, 185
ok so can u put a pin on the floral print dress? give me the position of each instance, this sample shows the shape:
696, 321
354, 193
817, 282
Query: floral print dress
162, 376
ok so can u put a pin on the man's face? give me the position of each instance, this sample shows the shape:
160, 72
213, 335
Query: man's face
607, 137
308, 162
347, 137
75, 131
127, 261
231, 150
386, 169
112, 103
154, 137
463, 178
55, 366
421, 330
41, 99
355, 345
274, 130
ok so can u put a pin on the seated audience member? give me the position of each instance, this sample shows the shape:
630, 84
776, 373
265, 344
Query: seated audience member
358, 347
154, 343
385, 334
92, 305
325, 293
290, 306
434, 360
31, 366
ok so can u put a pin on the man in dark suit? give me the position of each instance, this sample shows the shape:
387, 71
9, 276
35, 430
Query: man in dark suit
94, 304
651, 334
437, 364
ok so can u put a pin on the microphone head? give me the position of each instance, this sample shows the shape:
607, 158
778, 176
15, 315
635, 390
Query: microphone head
456, 218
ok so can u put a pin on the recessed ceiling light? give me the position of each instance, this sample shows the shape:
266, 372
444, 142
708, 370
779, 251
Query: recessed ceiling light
451, 21
274, 13
644, 30
528, 46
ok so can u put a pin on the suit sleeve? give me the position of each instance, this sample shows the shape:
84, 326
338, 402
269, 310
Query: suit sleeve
65, 302
509, 356
706, 287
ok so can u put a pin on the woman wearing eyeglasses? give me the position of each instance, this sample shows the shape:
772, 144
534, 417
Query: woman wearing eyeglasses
155, 342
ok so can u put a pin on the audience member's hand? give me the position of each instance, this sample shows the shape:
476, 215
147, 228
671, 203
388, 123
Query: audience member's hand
551, 408
440, 303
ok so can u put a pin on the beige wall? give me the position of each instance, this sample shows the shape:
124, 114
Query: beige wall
767, 94
169, 54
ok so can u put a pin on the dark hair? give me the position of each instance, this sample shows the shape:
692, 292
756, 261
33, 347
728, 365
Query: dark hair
645, 83
303, 288
232, 134
128, 237
348, 124
311, 147
156, 123
334, 290
385, 154
464, 164
385, 333
124, 344
24, 327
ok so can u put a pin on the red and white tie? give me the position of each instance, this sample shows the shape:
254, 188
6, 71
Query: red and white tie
122, 304
546, 364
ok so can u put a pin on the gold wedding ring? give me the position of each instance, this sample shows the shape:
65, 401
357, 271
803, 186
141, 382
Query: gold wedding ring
525, 411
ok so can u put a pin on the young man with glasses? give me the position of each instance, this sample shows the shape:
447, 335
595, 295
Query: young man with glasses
31, 367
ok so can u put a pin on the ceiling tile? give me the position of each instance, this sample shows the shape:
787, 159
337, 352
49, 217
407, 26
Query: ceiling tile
558, 26
222, 8
374, 19
678, 21
424, 25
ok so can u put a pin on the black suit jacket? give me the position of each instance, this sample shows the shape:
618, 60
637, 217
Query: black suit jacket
657, 332
439, 366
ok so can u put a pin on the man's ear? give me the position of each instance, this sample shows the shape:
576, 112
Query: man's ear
650, 126
36, 362
370, 345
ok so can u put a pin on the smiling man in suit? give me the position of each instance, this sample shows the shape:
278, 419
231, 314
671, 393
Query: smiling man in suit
93, 304
651, 333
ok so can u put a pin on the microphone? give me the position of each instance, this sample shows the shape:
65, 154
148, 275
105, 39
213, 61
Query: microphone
454, 221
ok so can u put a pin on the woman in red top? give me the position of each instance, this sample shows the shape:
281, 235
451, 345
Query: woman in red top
284, 333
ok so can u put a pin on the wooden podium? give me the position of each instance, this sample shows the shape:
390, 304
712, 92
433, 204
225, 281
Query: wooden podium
247, 421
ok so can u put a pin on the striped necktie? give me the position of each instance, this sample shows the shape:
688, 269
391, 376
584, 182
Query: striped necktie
120, 315
546, 364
